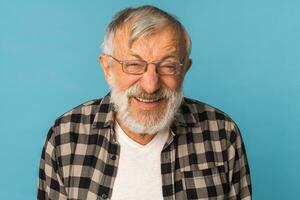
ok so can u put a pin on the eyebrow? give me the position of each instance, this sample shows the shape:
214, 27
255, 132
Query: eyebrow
169, 55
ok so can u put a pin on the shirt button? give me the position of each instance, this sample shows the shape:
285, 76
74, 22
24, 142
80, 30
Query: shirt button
104, 196
113, 157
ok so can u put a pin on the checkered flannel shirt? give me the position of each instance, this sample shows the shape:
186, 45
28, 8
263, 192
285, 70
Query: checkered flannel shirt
203, 158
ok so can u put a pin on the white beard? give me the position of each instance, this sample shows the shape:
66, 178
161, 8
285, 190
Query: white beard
145, 122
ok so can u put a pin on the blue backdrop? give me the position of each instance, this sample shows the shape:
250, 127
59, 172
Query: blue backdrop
246, 61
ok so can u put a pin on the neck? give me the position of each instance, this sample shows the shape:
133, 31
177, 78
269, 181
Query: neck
137, 137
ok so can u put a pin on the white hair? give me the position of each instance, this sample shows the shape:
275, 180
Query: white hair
144, 21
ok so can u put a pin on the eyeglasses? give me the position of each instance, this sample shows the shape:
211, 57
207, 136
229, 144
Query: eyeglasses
138, 67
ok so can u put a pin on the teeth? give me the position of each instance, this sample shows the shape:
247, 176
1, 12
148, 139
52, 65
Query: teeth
147, 100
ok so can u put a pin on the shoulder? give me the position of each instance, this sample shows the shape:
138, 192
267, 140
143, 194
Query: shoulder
74, 120
198, 106
87, 109
200, 111
203, 119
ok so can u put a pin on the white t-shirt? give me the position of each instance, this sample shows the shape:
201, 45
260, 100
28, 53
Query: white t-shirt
139, 169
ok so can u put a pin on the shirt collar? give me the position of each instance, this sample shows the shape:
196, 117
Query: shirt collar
105, 113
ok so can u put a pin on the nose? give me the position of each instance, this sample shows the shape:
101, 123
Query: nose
150, 80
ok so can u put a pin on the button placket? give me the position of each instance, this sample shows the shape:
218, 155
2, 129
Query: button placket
104, 196
113, 157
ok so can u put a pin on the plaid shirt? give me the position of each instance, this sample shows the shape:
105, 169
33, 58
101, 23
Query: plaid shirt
203, 158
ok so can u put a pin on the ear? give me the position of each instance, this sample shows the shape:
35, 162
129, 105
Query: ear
103, 59
188, 64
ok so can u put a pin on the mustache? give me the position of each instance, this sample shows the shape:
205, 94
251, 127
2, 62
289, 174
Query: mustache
137, 91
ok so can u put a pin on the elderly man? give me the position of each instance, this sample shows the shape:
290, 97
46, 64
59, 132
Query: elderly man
144, 140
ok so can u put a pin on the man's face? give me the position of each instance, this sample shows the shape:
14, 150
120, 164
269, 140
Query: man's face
150, 97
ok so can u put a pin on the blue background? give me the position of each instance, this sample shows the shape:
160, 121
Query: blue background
246, 59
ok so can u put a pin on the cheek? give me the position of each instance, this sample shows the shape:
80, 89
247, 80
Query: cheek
173, 83
123, 81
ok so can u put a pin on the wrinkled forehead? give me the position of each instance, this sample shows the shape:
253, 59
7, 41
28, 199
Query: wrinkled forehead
169, 39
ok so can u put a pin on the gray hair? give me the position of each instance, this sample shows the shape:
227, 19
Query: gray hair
144, 21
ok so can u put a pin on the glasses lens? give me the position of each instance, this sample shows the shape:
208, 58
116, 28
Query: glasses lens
134, 66
168, 67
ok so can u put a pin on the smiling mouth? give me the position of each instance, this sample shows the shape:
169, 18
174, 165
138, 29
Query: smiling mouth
147, 100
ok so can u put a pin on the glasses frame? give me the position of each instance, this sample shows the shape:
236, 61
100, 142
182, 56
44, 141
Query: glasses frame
156, 63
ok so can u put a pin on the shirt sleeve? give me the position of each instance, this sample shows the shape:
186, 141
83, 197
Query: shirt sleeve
240, 188
50, 184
